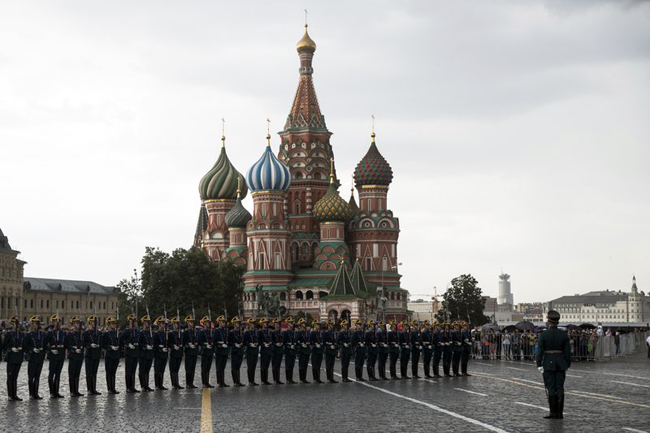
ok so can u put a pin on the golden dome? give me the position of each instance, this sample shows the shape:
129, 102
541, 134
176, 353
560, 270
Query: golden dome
306, 44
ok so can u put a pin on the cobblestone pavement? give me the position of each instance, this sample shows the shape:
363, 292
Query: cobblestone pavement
500, 396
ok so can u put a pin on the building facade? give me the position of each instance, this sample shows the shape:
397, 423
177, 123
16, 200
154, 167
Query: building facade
302, 239
505, 293
605, 306
11, 280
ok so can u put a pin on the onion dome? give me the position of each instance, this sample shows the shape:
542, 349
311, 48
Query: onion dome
306, 44
221, 181
332, 207
238, 216
268, 173
373, 169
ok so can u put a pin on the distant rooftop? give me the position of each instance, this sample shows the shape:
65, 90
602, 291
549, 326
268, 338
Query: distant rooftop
70, 286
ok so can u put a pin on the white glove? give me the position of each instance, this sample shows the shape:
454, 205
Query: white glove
37, 350
164, 349
191, 346
224, 345
208, 346
176, 347
114, 348
541, 369
131, 346
14, 349
149, 347
54, 352
77, 350
94, 346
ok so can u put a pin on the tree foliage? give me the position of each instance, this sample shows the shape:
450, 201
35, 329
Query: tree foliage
463, 301
183, 280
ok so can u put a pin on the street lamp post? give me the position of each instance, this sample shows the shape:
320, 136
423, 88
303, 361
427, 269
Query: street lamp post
383, 297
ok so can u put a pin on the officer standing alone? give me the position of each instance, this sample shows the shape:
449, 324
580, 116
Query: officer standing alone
553, 360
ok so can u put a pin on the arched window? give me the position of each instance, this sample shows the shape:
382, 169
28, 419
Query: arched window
298, 175
317, 176
294, 252
283, 296
298, 295
309, 295
384, 263
392, 296
398, 296
304, 249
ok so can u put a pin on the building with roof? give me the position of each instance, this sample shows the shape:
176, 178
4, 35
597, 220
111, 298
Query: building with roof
11, 280
321, 254
606, 306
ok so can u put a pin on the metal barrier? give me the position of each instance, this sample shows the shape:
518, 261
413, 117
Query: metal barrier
605, 347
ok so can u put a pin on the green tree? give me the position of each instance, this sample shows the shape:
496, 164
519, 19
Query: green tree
187, 279
463, 301
129, 295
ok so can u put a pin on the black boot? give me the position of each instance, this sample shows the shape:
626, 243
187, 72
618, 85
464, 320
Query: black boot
276, 376
36, 386
10, 390
251, 378
559, 408
77, 387
57, 387
552, 405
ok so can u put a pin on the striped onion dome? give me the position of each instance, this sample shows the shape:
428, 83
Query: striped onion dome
332, 207
373, 169
221, 181
238, 216
268, 173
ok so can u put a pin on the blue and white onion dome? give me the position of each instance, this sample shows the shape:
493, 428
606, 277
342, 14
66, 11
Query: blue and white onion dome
268, 173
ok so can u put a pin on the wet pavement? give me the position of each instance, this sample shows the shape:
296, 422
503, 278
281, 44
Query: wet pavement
500, 396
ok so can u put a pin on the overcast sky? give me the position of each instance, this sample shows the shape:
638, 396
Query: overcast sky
518, 132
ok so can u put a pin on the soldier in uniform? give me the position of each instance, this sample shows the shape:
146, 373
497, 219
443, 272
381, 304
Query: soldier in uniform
289, 341
447, 349
222, 350
427, 347
74, 345
277, 339
55, 341
416, 348
14, 345
113, 347
266, 350
405, 351
190, 343
176, 354
147, 353
304, 350
372, 349
206, 345
35, 349
467, 348
382, 347
130, 341
236, 343
344, 341
316, 342
161, 353
457, 344
92, 341
331, 349
553, 360
359, 346
252, 350
393, 349
436, 340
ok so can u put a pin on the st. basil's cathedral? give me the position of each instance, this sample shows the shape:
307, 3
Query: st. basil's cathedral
322, 254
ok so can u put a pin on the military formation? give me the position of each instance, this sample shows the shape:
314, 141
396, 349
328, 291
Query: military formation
257, 341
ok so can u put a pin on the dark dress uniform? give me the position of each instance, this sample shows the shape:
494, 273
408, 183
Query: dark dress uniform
467, 351
373, 352
316, 342
447, 351
382, 356
436, 340
277, 339
222, 351
360, 351
344, 341
190, 344
427, 350
35, 349
175, 356
393, 351
416, 348
252, 353
75, 346
112, 345
56, 358
236, 343
457, 340
405, 353
130, 341
93, 345
266, 353
14, 345
304, 351
554, 356
147, 355
161, 355
289, 341
331, 349
206, 343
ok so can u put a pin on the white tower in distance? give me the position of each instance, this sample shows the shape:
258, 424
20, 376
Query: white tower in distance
505, 295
